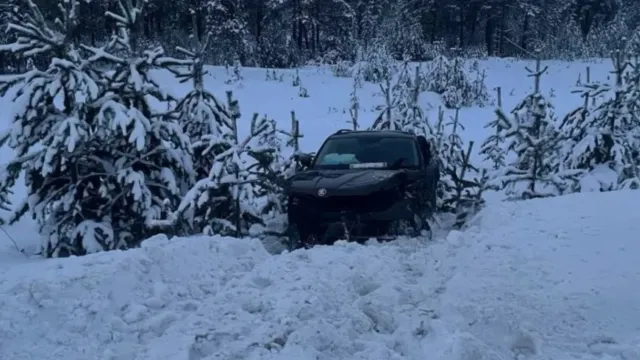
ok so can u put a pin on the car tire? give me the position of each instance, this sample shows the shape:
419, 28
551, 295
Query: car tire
293, 237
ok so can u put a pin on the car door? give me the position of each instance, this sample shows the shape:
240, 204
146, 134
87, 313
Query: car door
430, 172
415, 175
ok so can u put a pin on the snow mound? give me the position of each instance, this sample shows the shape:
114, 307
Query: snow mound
217, 298
539, 280
108, 305
552, 279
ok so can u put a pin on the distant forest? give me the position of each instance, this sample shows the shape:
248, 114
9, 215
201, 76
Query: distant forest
288, 33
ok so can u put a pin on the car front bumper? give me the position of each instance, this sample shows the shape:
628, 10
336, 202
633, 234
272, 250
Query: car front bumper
307, 212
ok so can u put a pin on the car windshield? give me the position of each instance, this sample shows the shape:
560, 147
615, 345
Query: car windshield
381, 151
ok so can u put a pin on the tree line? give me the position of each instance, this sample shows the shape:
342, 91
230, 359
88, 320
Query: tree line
289, 33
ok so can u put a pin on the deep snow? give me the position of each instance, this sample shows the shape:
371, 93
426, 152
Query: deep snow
550, 280
539, 280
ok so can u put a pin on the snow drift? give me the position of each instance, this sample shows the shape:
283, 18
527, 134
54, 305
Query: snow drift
544, 279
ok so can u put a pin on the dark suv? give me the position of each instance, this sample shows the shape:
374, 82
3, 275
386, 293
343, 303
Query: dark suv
362, 185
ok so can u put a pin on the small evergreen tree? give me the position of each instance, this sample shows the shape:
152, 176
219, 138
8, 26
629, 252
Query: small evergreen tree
411, 114
145, 154
378, 65
51, 113
206, 121
354, 109
607, 136
398, 96
225, 202
493, 147
274, 156
458, 191
531, 135
100, 164
449, 79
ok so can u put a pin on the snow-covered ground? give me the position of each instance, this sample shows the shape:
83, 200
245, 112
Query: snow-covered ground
539, 280
547, 280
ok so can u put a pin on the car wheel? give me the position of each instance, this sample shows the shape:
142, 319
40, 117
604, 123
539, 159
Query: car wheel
293, 236
310, 241
300, 239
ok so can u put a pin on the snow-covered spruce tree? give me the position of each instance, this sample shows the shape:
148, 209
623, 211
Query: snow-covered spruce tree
354, 109
573, 128
378, 65
144, 154
51, 135
460, 187
98, 166
204, 119
225, 202
413, 117
603, 142
235, 73
402, 110
530, 133
400, 100
274, 154
449, 79
493, 147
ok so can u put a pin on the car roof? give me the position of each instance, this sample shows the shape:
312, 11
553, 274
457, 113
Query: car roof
377, 133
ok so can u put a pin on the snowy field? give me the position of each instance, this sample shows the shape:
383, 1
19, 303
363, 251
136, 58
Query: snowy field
539, 280
549, 280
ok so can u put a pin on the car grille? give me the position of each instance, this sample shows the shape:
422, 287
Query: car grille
375, 202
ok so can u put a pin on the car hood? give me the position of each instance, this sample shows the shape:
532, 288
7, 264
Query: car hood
341, 182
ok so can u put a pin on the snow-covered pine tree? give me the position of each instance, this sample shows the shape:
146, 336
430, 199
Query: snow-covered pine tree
99, 168
604, 141
396, 91
460, 190
51, 134
449, 79
354, 109
436, 134
378, 65
573, 128
203, 117
225, 202
459, 90
437, 75
234, 72
402, 110
274, 154
493, 147
144, 155
531, 135
409, 112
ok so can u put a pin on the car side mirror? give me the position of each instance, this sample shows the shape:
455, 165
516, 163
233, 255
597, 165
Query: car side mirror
305, 159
